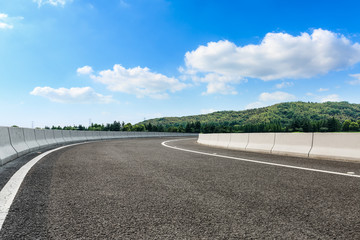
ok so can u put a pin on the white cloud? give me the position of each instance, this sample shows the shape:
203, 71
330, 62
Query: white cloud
276, 96
219, 83
284, 85
355, 82
331, 98
278, 56
4, 24
266, 99
257, 104
51, 2
71, 95
323, 90
85, 70
206, 111
139, 81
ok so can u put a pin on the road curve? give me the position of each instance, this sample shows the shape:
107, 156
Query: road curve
139, 189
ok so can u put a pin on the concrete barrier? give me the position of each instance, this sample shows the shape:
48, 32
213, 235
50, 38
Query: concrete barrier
58, 136
261, 142
344, 146
89, 135
82, 136
208, 139
239, 141
66, 136
113, 135
293, 144
30, 139
104, 135
50, 137
75, 136
40, 138
17, 139
202, 139
121, 134
15, 142
223, 140
7, 152
97, 135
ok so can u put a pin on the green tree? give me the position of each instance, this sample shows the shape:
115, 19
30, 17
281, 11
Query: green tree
197, 127
333, 125
346, 125
188, 128
127, 127
354, 126
139, 127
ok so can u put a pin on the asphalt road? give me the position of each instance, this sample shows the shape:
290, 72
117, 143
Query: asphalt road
139, 189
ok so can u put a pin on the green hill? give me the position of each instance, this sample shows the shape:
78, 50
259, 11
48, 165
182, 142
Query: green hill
288, 115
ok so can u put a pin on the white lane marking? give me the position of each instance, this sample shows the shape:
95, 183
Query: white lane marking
256, 161
11, 188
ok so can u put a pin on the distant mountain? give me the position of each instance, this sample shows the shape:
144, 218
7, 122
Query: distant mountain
284, 113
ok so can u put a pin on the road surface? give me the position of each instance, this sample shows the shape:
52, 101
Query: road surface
140, 189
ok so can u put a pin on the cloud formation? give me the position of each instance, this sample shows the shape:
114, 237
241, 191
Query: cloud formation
323, 90
278, 56
330, 98
85, 70
357, 79
4, 22
284, 85
217, 83
51, 2
266, 99
138, 81
206, 111
71, 95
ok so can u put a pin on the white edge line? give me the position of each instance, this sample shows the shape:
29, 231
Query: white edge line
9, 191
255, 161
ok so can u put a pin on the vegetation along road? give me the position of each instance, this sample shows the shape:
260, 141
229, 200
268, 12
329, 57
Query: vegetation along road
141, 189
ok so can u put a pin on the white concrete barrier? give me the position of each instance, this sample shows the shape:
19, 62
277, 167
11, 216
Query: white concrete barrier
97, 135
50, 138
7, 152
30, 139
345, 146
40, 138
82, 135
238, 141
202, 139
293, 144
261, 142
58, 136
208, 139
121, 134
89, 135
104, 135
113, 135
66, 136
75, 136
17, 139
223, 140
15, 142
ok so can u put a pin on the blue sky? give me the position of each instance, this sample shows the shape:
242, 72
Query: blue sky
64, 62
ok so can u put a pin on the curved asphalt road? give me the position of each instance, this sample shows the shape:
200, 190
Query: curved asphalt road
139, 189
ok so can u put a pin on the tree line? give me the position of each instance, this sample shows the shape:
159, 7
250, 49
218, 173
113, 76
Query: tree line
296, 125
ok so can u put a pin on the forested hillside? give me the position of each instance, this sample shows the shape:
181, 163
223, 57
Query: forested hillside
289, 116
283, 117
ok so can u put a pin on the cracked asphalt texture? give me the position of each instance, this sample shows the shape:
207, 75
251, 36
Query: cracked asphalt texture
138, 189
